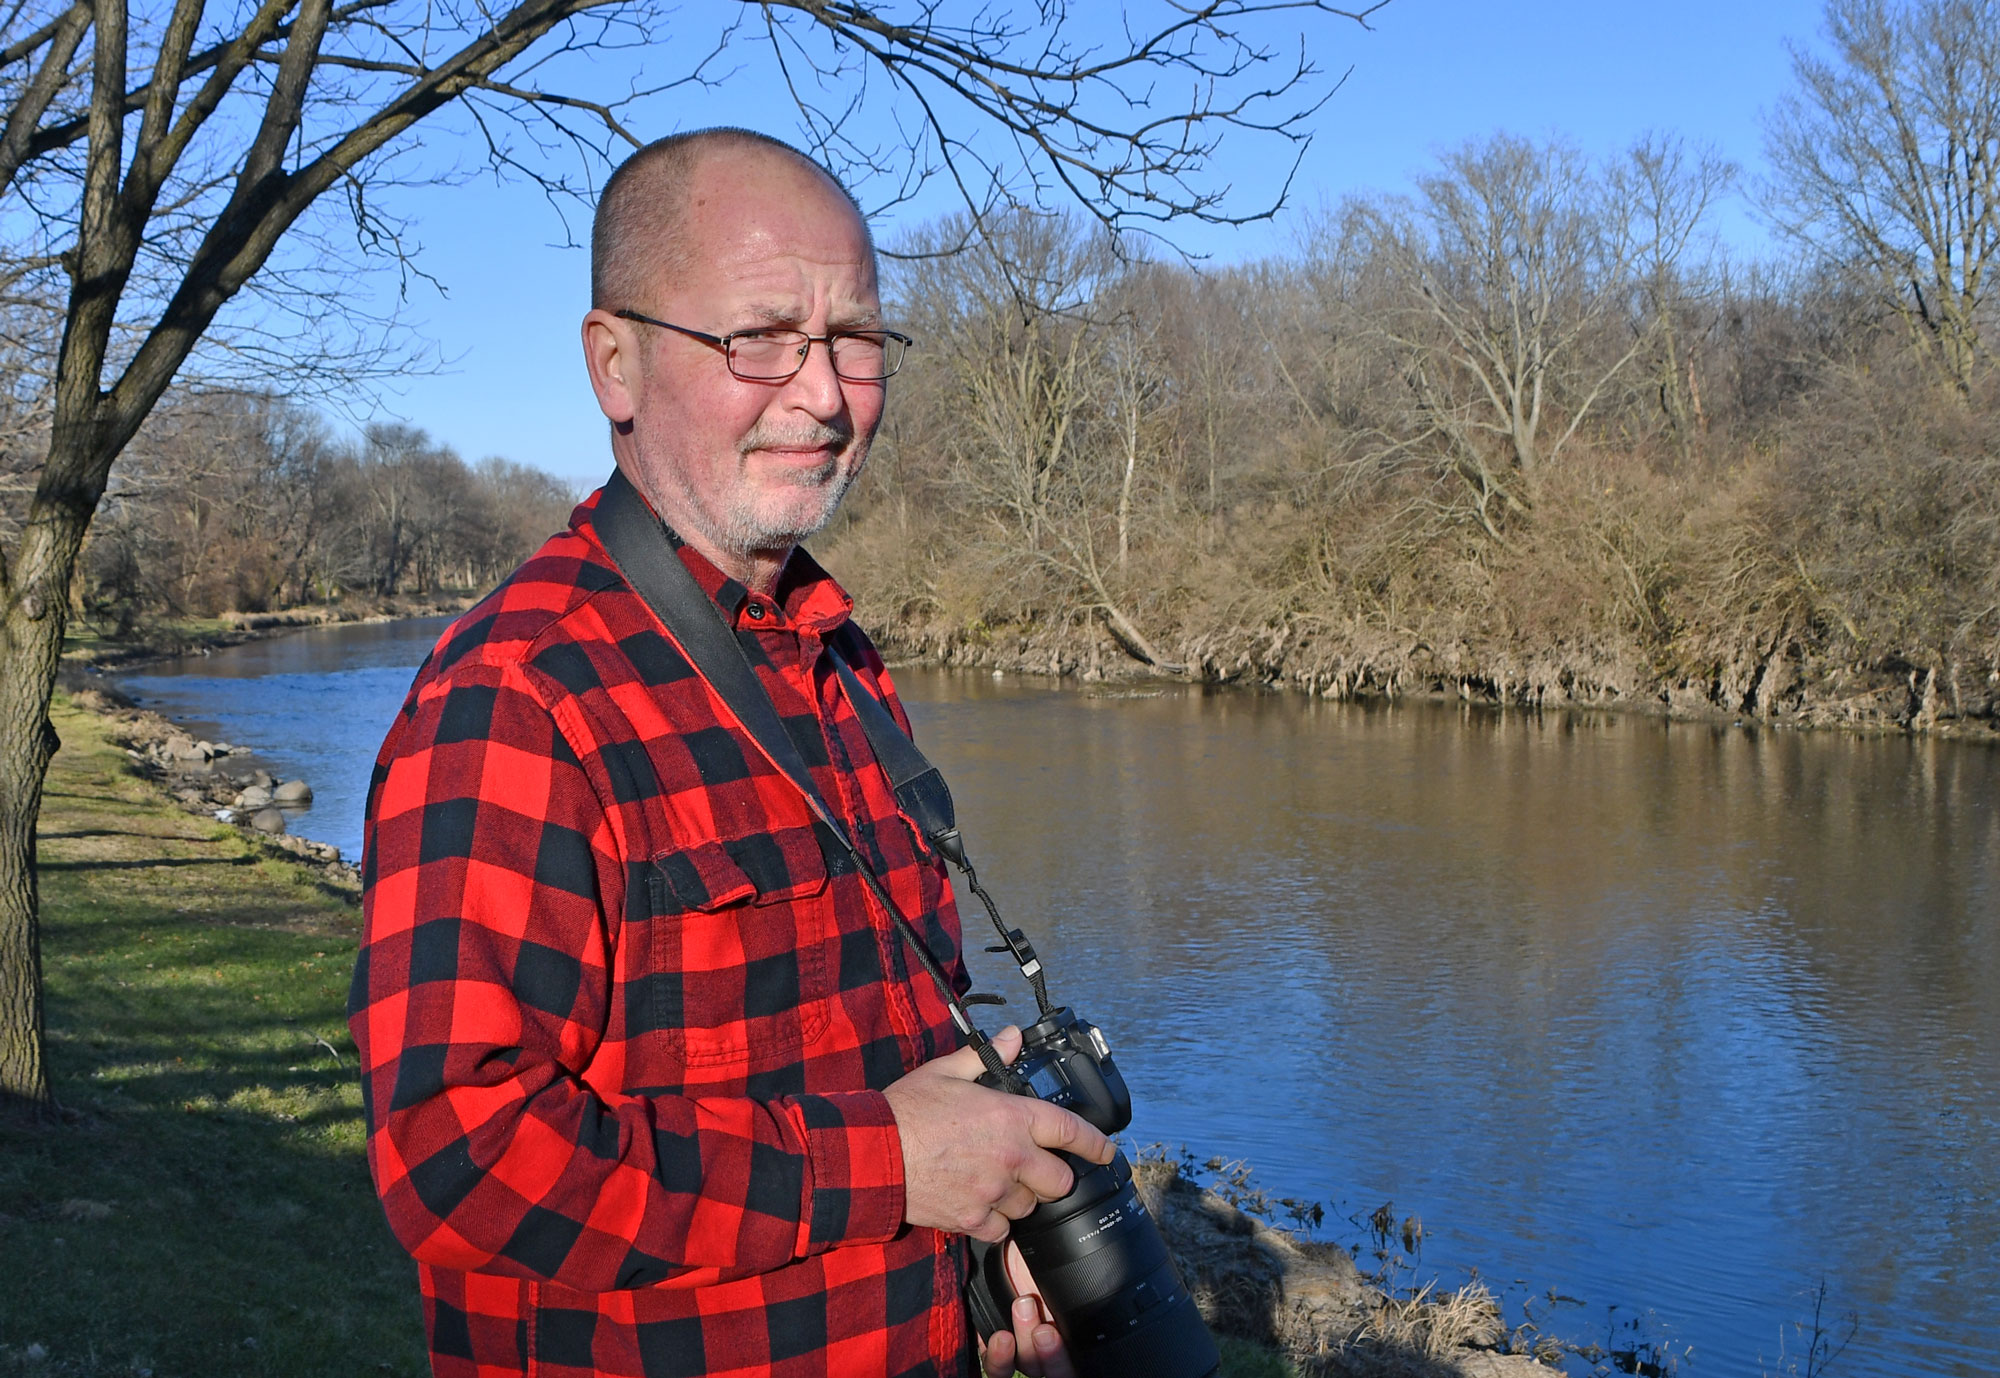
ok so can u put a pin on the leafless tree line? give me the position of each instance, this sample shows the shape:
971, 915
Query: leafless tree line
240, 502
1527, 431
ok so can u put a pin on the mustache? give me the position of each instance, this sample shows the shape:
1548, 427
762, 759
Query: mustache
830, 435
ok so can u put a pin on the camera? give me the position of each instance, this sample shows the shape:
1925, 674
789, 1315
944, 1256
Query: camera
1110, 1286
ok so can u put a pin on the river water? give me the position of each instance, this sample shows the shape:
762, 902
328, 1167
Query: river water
1670, 1023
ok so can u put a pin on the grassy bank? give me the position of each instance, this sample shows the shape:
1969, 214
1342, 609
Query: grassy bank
208, 1210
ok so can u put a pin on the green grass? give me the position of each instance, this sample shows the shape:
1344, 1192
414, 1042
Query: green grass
209, 1213
1241, 1359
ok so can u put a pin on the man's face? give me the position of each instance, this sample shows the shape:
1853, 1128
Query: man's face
739, 468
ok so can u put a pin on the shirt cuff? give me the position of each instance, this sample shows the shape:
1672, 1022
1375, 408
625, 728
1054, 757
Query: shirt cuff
854, 1170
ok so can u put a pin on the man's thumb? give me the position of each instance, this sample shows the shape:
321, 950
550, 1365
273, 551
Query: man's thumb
968, 1065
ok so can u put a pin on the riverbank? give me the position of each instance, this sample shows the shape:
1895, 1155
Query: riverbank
1782, 683
196, 976
1781, 686
85, 651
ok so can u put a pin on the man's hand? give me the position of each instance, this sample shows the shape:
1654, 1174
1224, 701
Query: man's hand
975, 1159
1033, 1347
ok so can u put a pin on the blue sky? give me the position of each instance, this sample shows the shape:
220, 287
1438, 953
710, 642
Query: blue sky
1431, 75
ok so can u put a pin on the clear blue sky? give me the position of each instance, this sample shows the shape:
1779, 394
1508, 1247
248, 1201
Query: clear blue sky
1431, 75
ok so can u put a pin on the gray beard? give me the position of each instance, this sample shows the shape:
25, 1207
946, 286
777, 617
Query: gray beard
736, 526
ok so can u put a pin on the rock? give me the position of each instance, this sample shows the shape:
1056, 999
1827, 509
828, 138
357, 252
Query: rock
1488, 1365
35, 1353
207, 750
225, 815
292, 792
268, 821
263, 779
255, 797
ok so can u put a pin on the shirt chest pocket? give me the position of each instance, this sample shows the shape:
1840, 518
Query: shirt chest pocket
738, 973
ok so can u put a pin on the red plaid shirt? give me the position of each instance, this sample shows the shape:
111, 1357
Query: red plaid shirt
625, 1013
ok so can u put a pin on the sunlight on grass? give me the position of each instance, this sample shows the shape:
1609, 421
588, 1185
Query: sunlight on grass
209, 1213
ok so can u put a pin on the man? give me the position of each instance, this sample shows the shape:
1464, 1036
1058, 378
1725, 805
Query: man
653, 1086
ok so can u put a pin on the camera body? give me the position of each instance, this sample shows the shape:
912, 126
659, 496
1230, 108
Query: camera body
1097, 1256
1065, 1061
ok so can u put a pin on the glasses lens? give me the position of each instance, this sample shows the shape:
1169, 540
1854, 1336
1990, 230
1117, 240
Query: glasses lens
767, 353
866, 355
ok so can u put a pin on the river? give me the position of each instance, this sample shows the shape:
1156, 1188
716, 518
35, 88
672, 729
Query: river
1656, 1027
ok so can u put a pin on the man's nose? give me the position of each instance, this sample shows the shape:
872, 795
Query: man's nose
816, 387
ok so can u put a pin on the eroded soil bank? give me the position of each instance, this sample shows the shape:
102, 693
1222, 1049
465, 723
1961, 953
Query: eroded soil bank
1783, 684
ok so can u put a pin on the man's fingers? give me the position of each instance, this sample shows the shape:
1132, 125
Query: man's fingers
1055, 1362
1021, 1199
1054, 1127
965, 1064
998, 1357
1046, 1177
993, 1229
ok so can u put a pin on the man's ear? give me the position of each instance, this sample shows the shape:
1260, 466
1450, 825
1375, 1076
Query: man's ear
611, 353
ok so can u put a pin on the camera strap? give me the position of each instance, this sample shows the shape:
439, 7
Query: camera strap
921, 792
644, 550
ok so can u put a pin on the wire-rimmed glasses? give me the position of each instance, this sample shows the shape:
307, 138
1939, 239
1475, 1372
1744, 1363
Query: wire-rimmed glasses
774, 354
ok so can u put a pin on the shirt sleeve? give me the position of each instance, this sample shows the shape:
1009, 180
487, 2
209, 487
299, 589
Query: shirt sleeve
482, 994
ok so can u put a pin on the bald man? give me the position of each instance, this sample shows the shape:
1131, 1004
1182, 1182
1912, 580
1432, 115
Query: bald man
653, 1088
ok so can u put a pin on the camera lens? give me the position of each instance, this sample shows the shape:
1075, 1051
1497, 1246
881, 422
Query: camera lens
1108, 1281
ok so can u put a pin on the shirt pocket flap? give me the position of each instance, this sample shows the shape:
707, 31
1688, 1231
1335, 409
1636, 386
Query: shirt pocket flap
763, 868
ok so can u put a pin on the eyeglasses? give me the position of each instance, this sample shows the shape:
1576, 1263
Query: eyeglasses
773, 356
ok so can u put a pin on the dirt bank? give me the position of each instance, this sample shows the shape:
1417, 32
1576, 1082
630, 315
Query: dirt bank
1781, 685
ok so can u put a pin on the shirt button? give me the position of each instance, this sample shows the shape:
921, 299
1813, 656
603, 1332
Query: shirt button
756, 611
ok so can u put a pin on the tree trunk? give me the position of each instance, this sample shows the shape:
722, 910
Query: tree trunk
1128, 635
32, 616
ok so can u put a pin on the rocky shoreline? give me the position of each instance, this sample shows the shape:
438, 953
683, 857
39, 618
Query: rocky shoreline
1309, 1301
196, 775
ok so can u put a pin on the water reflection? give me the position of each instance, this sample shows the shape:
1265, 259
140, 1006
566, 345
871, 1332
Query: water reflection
1675, 1019
1660, 1016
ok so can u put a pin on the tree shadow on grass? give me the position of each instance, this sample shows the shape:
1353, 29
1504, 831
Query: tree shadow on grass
209, 1211
145, 863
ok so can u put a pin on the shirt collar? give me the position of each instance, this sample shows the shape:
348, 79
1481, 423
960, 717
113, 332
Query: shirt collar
807, 598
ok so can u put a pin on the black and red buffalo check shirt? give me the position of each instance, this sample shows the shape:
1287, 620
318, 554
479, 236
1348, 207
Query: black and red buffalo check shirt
625, 1014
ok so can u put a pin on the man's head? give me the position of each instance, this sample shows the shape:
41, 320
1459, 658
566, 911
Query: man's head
720, 231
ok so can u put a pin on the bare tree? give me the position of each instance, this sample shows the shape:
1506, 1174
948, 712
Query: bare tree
1013, 321
1670, 189
1055, 389
1886, 158
153, 164
1518, 257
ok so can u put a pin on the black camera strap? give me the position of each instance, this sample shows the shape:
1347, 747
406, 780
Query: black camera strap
643, 548
922, 794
